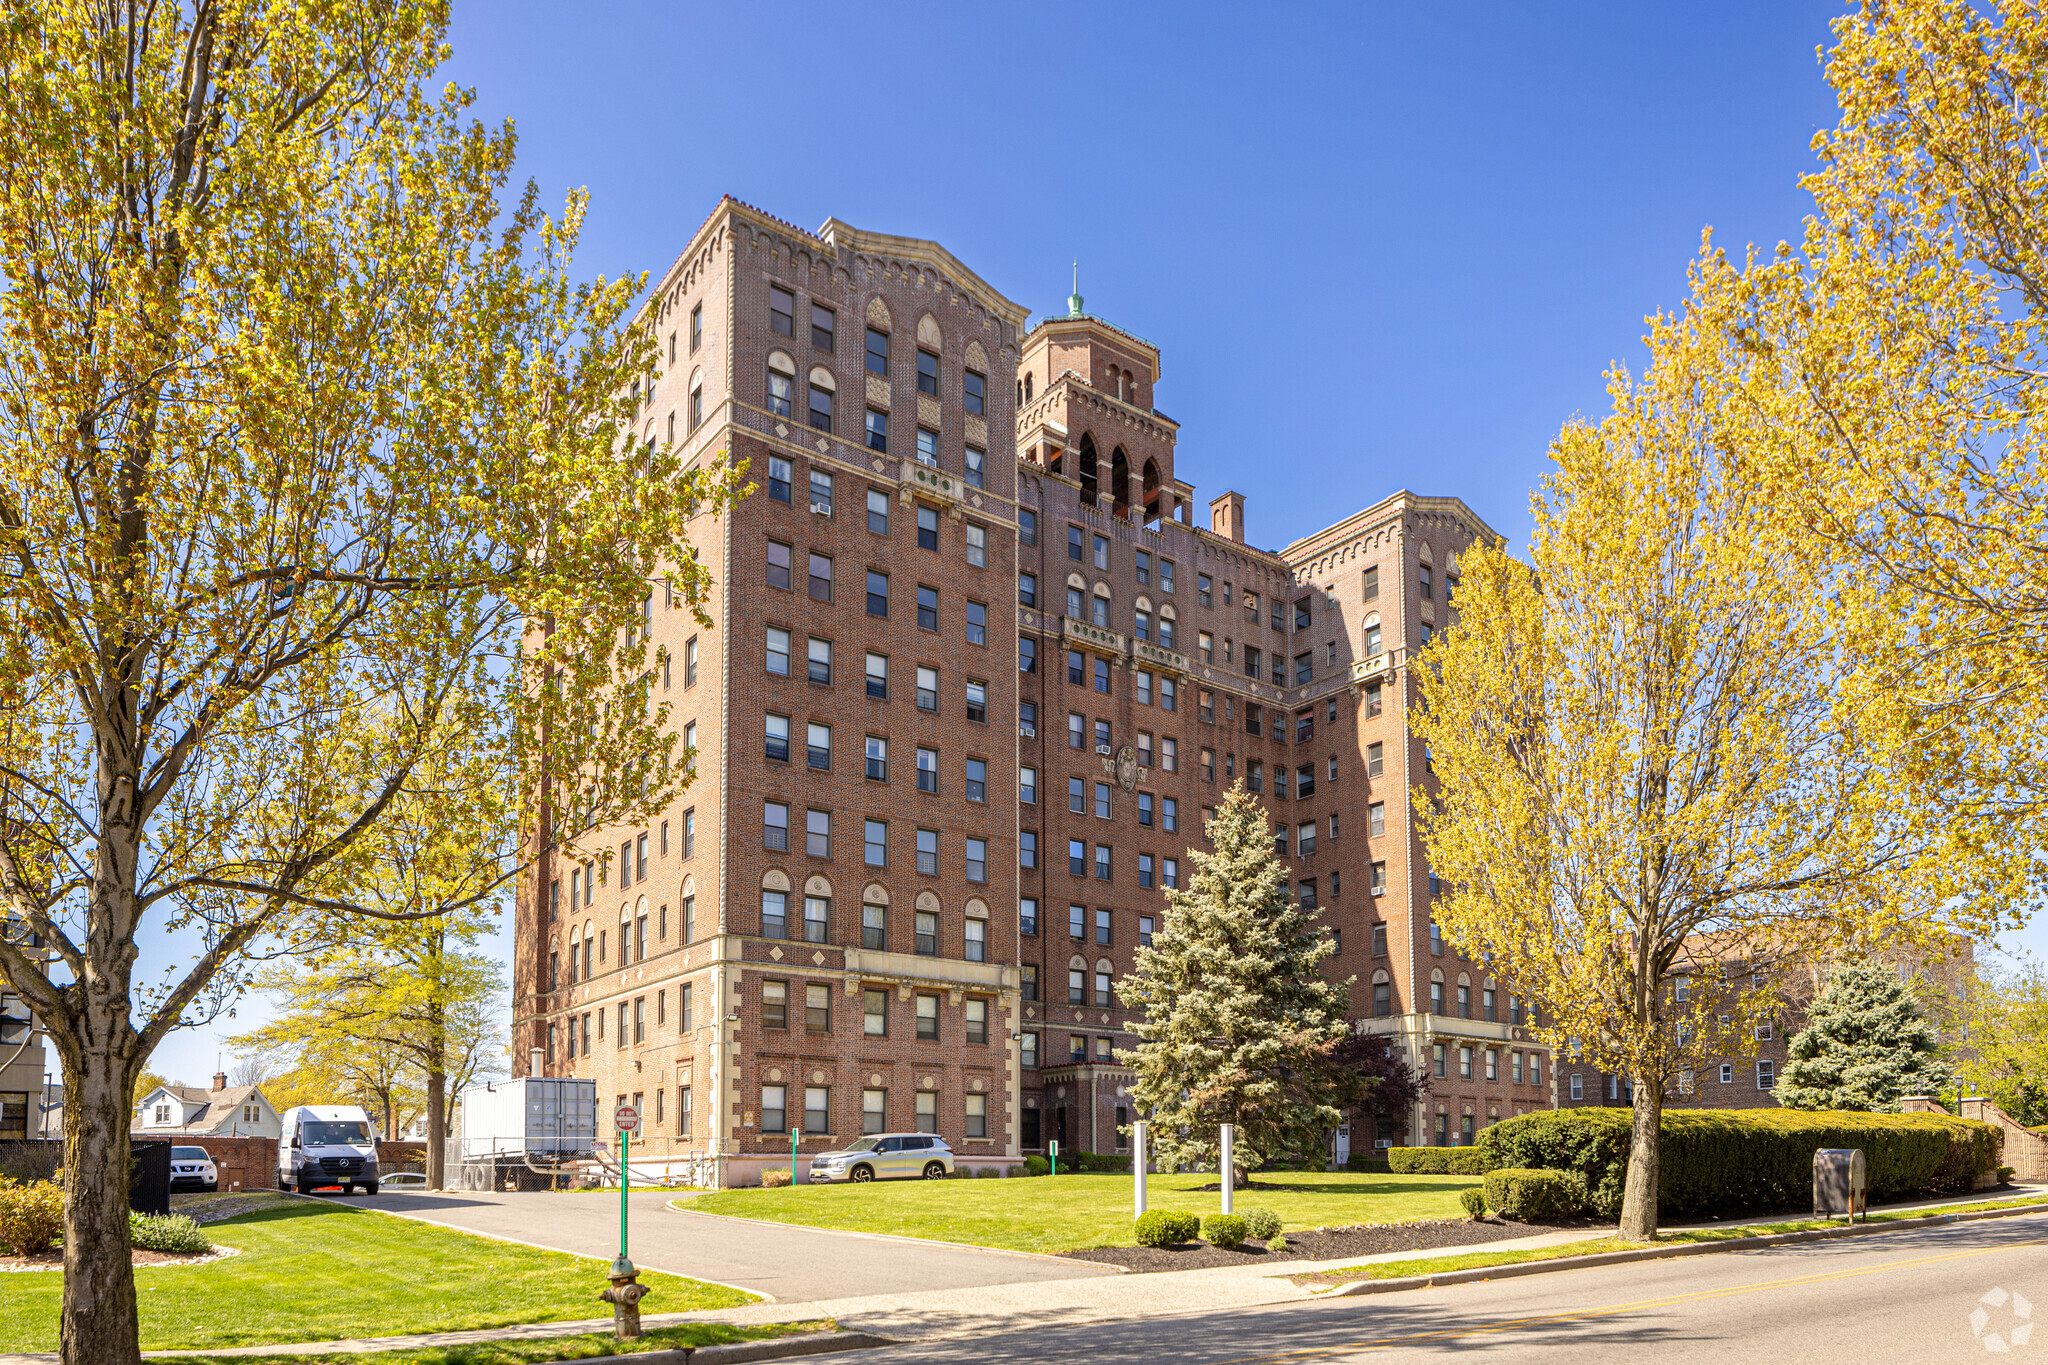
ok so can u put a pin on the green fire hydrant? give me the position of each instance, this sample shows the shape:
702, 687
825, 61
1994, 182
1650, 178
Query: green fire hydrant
624, 1296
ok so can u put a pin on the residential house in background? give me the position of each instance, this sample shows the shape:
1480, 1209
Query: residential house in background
224, 1111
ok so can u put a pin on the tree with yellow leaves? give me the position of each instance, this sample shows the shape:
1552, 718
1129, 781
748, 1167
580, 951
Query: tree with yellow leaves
313, 470
1909, 406
1643, 771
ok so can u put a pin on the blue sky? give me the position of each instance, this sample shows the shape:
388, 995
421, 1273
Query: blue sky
1379, 246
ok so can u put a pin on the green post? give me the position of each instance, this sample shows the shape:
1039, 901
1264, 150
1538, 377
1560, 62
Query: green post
1052, 1150
794, 1134
625, 1186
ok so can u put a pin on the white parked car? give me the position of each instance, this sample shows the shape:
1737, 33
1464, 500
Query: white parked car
192, 1168
885, 1156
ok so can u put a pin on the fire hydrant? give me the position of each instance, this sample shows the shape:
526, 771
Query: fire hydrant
624, 1296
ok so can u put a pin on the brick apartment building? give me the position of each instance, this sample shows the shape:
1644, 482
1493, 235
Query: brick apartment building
973, 679
1750, 1081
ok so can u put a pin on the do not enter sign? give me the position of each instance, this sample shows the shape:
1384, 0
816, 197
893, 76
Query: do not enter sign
626, 1118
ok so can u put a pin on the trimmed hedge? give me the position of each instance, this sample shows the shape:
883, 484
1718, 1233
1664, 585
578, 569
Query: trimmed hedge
1528, 1195
1373, 1165
1723, 1160
1440, 1160
1225, 1230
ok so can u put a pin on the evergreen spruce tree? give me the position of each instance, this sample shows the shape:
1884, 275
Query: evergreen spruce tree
1240, 1023
1866, 1045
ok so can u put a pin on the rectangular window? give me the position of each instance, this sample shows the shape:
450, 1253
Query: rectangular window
977, 701
821, 492
927, 689
1102, 675
927, 608
878, 431
977, 779
775, 1004
874, 1106
1145, 870
1027, 786
1377, 884
1077, 994
878, 593
775, 1109
818, 833
928, 852
1077, 730
818, 746
1077, 857
1102, 552
976, 946
821, 577
1074, 542
778, 651
1029, 978
875, 843
928, 447
1766, 1074
927, 1112
874, 1020
1145, 808
878, 353
977, 623
817, 1109
777, 738
976, 467
874, 926
927, 770
1374, 759
821, 407
685, 1112
823, 325
977, 860
878, 676
817, 1012
778, 565
1141, 687
1103, 857
818, 664
696, 329
781, 311
775, 825
1027, 526
1027, 654
878, 512
976, 393
877, 759
1027, 590
928, 1018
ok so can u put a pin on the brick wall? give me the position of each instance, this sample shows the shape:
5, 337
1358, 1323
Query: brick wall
244, 1163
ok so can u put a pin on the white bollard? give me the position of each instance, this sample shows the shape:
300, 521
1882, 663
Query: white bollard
1228, 1178
1138, 1169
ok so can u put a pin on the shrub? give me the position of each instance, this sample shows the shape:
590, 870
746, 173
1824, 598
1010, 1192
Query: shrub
1475, 1203
1161, 1228
2005, 1174
1527, 1195
1373, 1164
986, 1171
31, 1216
1277, 1242
1035, 1165
1439, 1160
1719, 1160
775, 1177
1225, 1230
167, 1232
1261, 1225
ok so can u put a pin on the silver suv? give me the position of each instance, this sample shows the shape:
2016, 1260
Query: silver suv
886, 1156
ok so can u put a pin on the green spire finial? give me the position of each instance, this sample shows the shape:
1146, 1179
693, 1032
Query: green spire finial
1074, 299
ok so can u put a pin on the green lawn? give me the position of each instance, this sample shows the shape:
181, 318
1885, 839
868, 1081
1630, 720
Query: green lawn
319, 1272
528, 1350
1063, 1213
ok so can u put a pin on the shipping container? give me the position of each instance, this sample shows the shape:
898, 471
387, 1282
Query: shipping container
548, 1118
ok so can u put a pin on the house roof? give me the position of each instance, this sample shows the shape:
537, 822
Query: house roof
217, 1108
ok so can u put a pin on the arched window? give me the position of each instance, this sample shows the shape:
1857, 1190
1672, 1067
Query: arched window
822, 387
696, 398
781, 383
1086, 471
1100, 614
1436, 991
1027, 388
1120, 483
1151, 493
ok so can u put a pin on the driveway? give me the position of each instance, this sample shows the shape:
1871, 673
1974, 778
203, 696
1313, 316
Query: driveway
789, 1264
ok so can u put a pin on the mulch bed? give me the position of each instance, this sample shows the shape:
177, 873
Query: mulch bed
1323, 1244
54, 1260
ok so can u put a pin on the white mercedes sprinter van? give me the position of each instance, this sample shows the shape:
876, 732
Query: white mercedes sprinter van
327, 1144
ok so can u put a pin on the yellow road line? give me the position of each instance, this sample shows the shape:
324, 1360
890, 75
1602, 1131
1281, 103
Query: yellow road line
1665, 1301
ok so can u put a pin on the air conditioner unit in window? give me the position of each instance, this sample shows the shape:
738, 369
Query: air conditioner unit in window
1103, 749
1027, 729
821, 506
1382, 1142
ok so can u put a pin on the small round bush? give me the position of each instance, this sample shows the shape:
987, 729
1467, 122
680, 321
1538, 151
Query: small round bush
1261, 1225
986, 1171
775, 1177
172, 1233
1277, 1242
1225, 1230
1035, 1165
1474, 1201
1164, 1228
1528, 1195
31, 1216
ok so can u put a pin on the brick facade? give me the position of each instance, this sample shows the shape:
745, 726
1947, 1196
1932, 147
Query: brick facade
956, 920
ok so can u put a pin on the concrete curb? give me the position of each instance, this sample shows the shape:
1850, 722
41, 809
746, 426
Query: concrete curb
1555, 1263
781, 1348
674, 1206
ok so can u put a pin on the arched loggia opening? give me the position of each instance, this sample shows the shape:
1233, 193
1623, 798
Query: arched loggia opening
1120, 483
1087, 471
1152, 508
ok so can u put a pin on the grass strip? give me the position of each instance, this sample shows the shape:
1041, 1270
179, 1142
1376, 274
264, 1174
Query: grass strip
528, 1350
1477, 1260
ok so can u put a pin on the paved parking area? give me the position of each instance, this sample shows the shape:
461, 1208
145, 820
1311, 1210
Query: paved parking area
786, 1263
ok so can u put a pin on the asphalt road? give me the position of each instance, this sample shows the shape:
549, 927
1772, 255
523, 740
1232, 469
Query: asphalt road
787, 1263
1904, 1296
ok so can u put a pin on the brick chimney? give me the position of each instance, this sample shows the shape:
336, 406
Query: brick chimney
220, 1080
1226, 516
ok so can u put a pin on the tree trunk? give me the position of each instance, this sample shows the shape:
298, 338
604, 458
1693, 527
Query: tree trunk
99, 1320
1639, 1195
437, 1126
